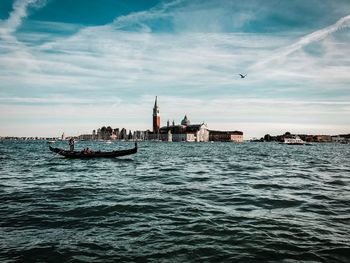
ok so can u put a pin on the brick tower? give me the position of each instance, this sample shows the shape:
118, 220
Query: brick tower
156, 117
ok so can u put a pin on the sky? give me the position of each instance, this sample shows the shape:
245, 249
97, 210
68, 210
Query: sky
74, 66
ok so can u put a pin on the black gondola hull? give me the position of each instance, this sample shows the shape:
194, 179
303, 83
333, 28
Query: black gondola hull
98, 154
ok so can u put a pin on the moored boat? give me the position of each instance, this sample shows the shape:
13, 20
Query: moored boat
294, 141
93, 154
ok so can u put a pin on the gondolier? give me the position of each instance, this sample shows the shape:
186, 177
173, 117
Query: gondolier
71, 144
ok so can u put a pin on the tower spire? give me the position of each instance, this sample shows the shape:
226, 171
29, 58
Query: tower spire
155, 102
156, 117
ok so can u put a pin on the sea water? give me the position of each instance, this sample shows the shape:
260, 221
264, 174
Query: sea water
176, 202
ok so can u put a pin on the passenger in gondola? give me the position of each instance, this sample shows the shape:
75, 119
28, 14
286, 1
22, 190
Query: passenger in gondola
71, 144
86, 151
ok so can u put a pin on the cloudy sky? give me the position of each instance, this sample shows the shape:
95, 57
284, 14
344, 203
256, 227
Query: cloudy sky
74, 66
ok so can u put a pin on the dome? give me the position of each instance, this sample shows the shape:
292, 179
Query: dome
185, 121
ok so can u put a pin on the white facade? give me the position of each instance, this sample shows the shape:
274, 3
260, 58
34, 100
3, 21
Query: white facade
236, 138
183, 137
202, 135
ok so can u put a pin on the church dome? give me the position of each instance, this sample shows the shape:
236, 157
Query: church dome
185, 121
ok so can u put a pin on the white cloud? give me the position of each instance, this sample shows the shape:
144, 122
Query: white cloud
59, 100
306, 40
20, 11
139, 18
101, 75
9, 27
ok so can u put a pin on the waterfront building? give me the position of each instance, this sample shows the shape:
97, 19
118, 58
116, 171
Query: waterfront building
85, 137
170, 136
99, 134
185, 121
108, 133
113, 137
322, 138
185, 132
226, 136
123, 134
139, 135
130, 135
104, 133
116, 133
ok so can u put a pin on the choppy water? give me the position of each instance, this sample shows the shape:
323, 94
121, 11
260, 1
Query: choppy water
176, 202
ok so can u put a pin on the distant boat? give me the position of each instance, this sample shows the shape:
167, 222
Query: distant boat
294, 141
108, 142
50, 142
93, 154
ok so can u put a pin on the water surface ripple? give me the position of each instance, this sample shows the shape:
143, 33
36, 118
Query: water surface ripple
176, 202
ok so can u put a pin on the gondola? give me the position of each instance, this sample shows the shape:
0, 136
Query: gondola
96, 154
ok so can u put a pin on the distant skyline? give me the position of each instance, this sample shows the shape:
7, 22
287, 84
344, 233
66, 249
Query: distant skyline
74, 66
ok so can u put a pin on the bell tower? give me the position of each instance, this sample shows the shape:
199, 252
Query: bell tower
156, 117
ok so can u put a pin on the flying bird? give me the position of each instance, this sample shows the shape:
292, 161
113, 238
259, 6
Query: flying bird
242, 76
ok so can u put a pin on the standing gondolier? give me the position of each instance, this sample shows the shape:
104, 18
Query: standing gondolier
71, 144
